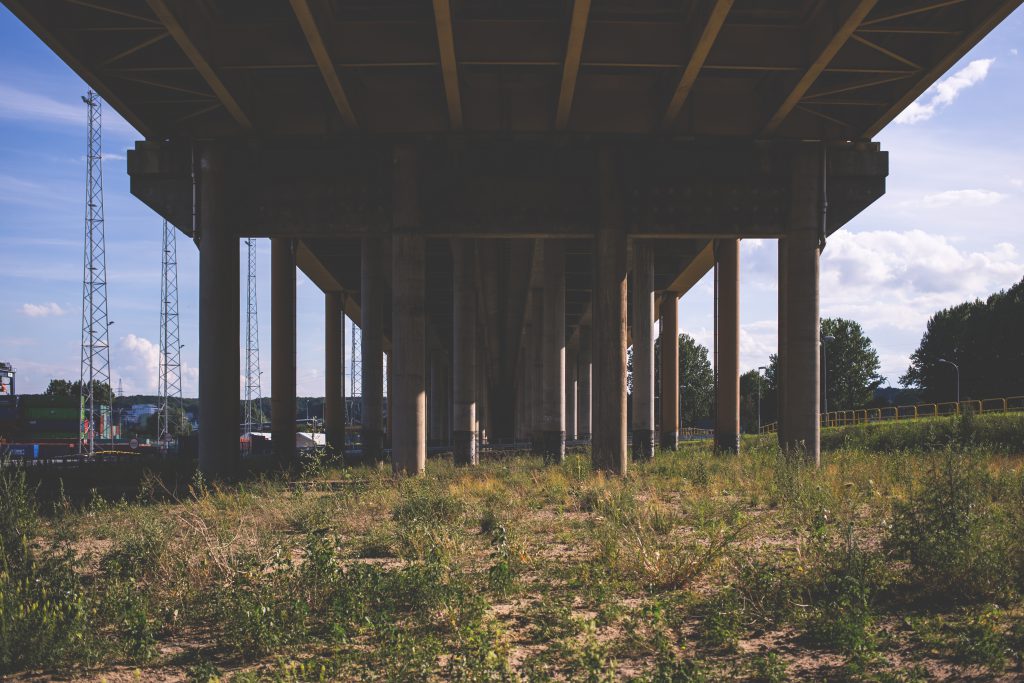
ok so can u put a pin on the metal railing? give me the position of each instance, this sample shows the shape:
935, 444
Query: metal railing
845, 418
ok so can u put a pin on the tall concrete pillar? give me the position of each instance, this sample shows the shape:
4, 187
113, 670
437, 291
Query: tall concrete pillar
219, 393
727, 390
553, 353
669, 371
584, 394
282, 349
609, 437
643, 351
408, 325
434, 393
464, 352
371, 293
570, 395
536, 370
334, 372
802, 337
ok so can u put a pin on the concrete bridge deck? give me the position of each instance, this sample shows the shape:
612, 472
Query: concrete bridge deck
505, 195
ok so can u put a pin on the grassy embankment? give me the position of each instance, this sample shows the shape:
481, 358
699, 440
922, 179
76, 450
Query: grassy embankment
886, 564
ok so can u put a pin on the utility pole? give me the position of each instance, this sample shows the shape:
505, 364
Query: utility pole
356, 378
95, 358
170, 341
253, 389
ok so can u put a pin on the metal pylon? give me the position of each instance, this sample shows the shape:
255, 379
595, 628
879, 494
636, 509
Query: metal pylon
95, 365
170, 342
355, 377
253, 391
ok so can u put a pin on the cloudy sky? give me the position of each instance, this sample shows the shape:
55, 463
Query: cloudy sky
950, 227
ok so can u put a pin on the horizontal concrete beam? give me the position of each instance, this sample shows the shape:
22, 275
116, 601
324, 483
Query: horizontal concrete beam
477, 187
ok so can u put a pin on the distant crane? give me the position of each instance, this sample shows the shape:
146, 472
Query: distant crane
95, 365
170, 409
253, 385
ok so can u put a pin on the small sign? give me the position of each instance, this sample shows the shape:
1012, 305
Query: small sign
133, 444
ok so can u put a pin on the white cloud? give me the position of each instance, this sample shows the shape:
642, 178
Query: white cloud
944, 92
20, 105
899, 279
1014, 51
1017, 182
137, 362
42, 310
962, 198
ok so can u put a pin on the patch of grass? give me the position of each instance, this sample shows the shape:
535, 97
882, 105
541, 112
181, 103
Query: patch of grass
518, 571
960, 543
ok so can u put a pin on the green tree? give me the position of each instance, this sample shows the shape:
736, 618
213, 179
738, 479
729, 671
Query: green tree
180, 426
852, 365
983, 338
66, 388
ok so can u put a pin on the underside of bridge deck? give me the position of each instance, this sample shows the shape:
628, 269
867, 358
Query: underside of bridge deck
515, 191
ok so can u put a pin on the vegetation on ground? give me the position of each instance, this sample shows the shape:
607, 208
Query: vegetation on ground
902, 565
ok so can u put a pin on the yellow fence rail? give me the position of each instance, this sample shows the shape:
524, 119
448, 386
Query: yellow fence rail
845, 418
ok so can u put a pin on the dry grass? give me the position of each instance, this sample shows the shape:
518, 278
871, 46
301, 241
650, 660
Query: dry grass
695, 567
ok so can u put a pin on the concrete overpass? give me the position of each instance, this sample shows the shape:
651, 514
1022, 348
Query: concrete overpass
505, 194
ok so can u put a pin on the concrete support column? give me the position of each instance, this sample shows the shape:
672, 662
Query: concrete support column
802, 359
727, 327
219, 393
282, 349
553, 353
584, 400
334, 372
408, 325
536, 370
464, 351
609, 438
669, 371
643, 352
570, 395
371, 292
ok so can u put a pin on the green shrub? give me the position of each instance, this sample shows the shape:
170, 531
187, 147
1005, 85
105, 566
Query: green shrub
959, 544
420, 502
721, 620
44, 614
19, 519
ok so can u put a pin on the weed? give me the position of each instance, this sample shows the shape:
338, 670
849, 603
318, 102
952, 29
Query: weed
721, 624
958, 544
769, 668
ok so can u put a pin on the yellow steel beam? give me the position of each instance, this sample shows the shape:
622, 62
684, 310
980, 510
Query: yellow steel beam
29, 13
571, 65
177, 30
449, 67
304, 13
700, 54
821, 61
992, 19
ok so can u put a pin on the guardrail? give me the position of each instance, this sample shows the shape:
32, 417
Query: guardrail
845, 418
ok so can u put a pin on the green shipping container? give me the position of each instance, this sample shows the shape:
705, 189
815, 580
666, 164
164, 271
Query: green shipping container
45, 413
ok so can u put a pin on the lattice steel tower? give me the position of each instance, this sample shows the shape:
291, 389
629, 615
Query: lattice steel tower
253, 391
355, 379
170, 341
95, 367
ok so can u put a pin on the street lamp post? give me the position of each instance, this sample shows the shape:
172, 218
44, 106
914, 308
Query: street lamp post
826, 340
957, 369
759, 370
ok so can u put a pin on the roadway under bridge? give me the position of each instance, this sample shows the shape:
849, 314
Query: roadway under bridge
505, 195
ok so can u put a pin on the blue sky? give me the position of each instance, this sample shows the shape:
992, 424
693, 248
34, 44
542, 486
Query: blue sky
950, 227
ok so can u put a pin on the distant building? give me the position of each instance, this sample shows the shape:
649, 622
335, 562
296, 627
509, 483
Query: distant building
138, 413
